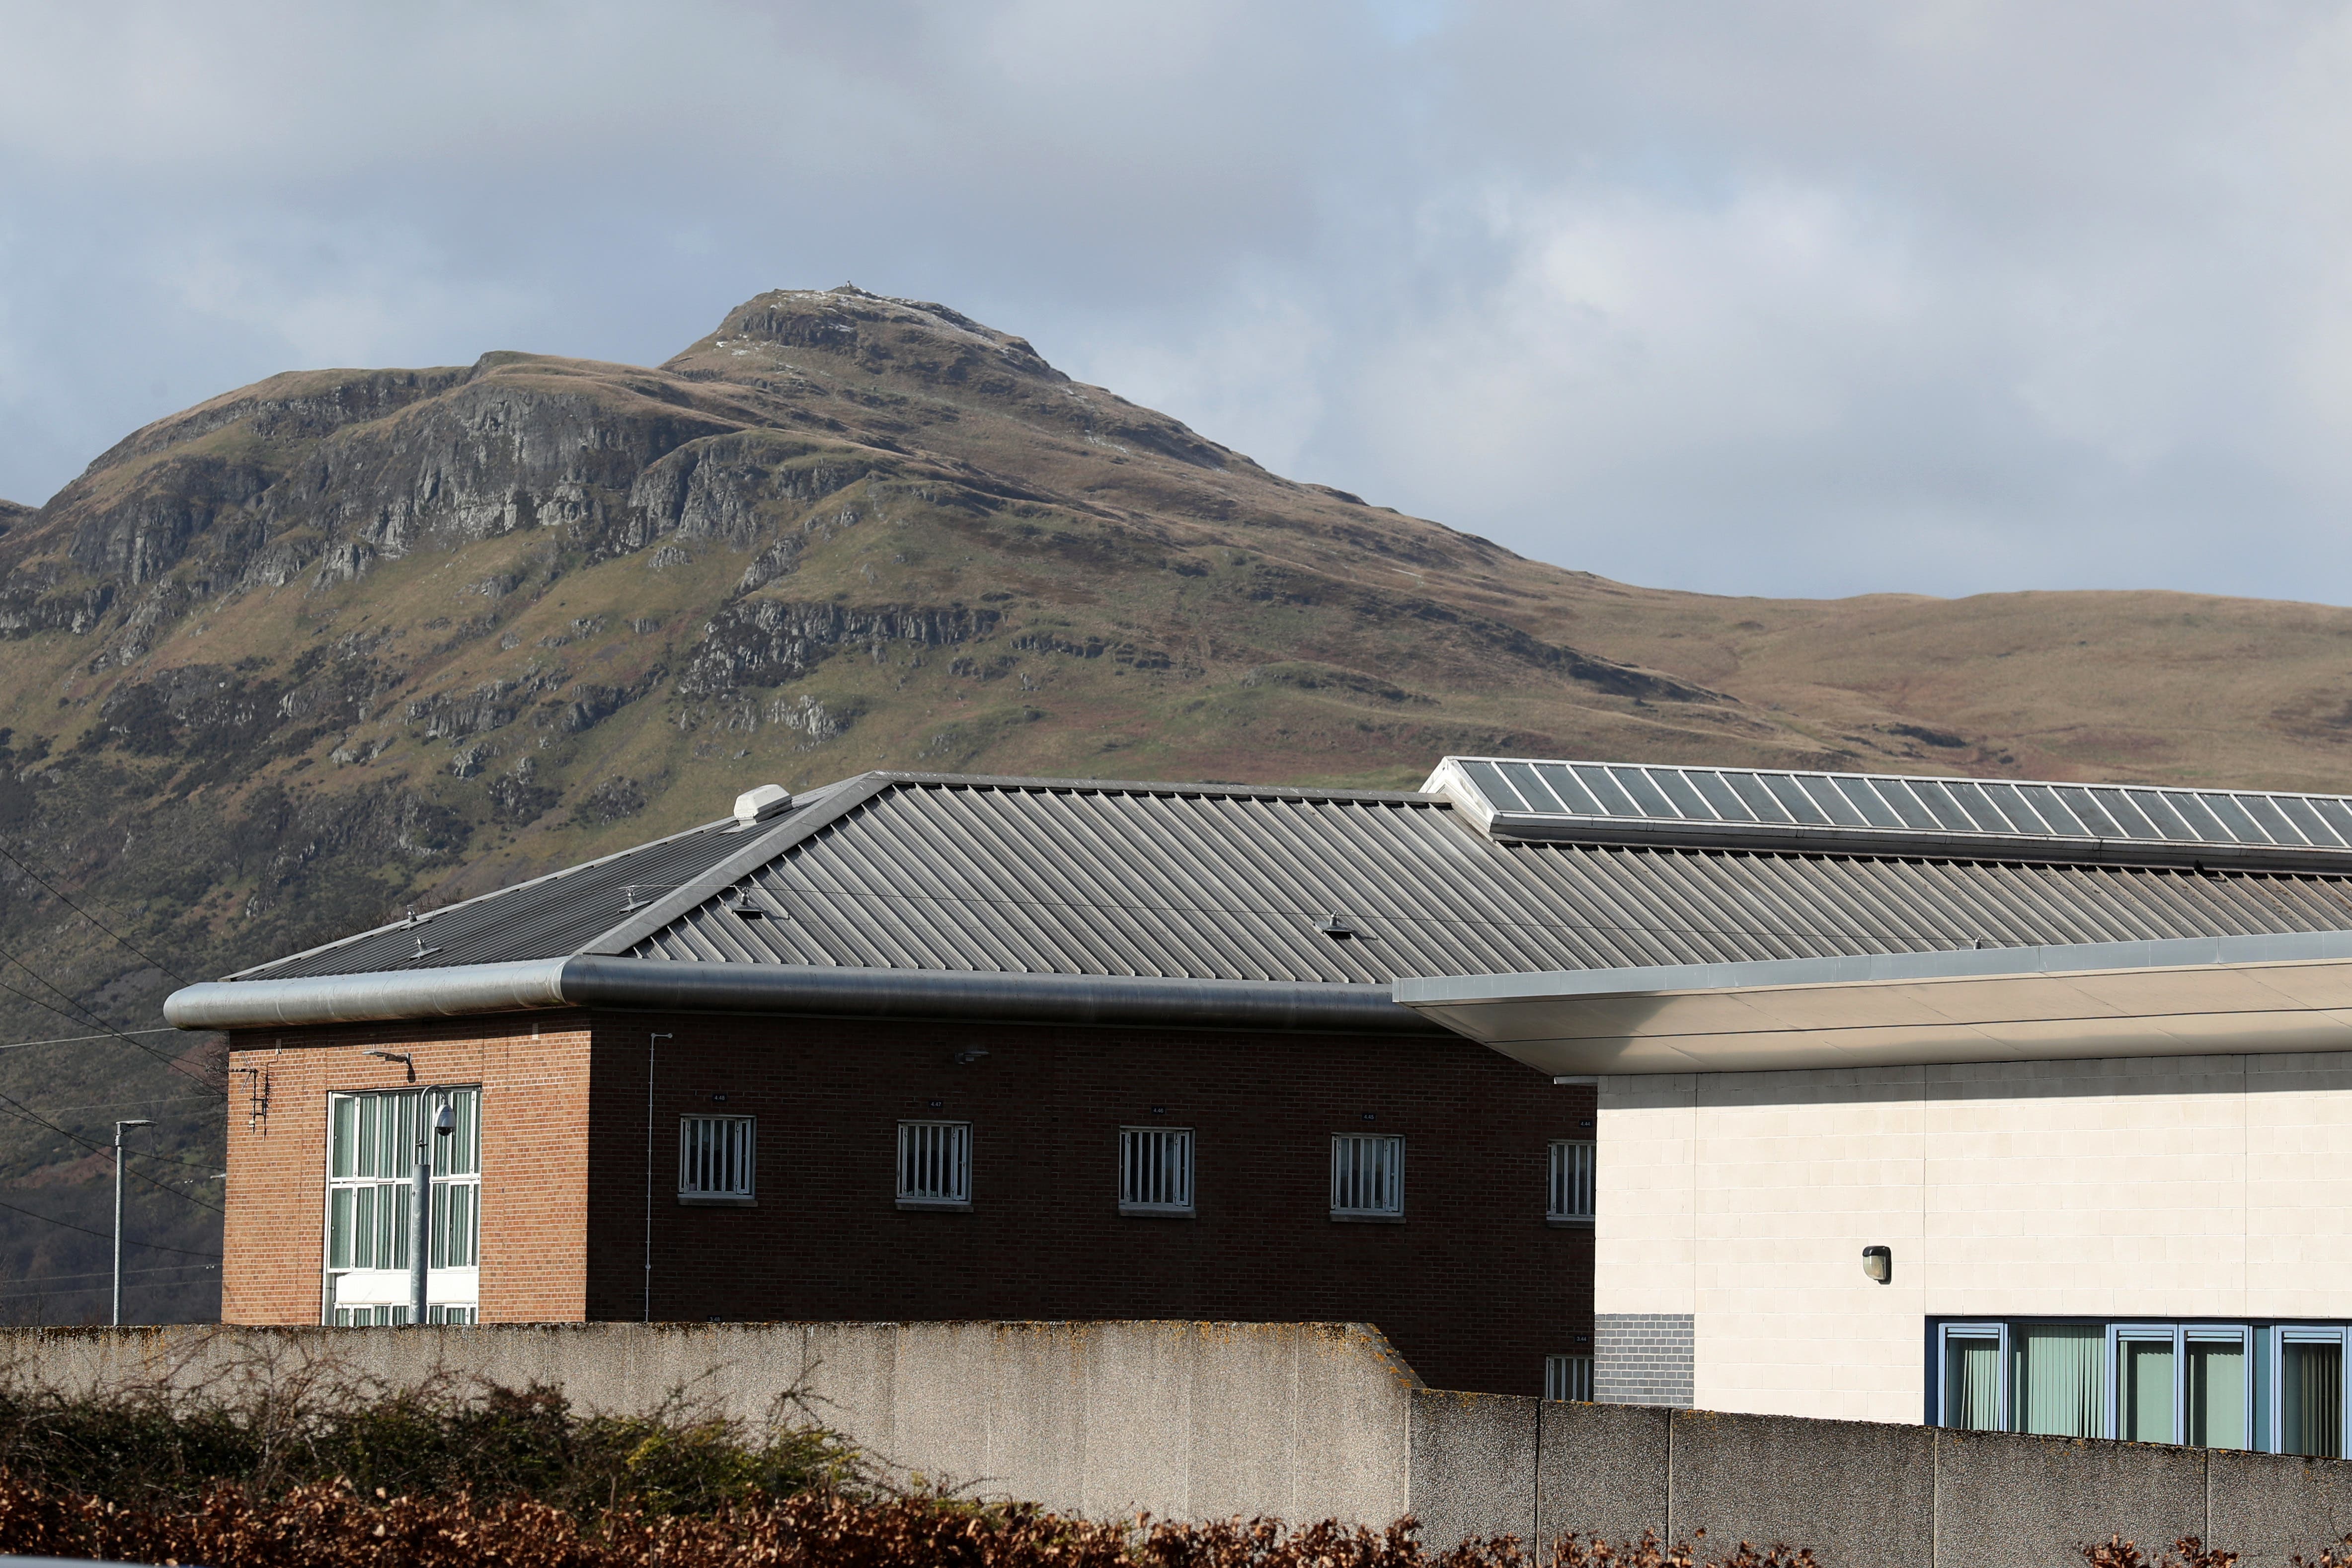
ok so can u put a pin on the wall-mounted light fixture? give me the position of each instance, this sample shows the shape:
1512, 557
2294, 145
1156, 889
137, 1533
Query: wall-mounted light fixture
1878, 1262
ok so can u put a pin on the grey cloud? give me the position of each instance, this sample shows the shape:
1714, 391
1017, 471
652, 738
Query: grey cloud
1816, 299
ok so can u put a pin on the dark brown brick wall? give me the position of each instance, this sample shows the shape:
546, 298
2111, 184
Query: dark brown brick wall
1473, 1288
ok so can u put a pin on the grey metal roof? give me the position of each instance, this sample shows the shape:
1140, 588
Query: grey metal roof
1027, 876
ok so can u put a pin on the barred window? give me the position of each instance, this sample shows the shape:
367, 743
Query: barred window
715, 1155
935, 1164
1155, 1170
1569, 1376
1571, 1180
1366, 1176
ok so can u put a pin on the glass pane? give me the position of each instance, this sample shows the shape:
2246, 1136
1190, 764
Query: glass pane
2055, 1379
344, 1117
1866, 800
1530, 787
2233, 816
2311, 1399
1825, 793
1574, 796
2216, 1394
2306, 821
2089, 812
339, 1228
1982, 810
1680, 790
2130, 820
2272, 820
2202, 825
1972, 1383
2167, 822
1499, 795
362, 1252
2053, 811
1645, 795
1794, 799
2144, 1391
1897, 793
2335, 814
2019, 811
1613, 800
1948, 813
1756, 798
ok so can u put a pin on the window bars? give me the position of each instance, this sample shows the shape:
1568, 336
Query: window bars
1568, 1377
935, 1164
715, 1156
1155, 1170
1366, 1176
1570, 1199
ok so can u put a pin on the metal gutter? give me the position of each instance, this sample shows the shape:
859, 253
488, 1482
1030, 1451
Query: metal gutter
1509, 827
645, 983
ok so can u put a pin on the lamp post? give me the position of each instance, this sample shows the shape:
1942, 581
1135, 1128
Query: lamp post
420, 1208
119, 1128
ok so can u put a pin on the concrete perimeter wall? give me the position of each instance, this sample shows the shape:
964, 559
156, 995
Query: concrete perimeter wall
1308, 1421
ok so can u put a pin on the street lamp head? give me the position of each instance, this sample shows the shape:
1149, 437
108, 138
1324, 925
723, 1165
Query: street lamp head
445, 1122
142, 1121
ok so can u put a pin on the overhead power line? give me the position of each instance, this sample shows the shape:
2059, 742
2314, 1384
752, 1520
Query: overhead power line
107, 1273
75, 1039
90, 1016
66, 899
103, 1235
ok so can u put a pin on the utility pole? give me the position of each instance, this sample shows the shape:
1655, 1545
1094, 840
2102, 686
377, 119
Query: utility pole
420, 1206
119, 1128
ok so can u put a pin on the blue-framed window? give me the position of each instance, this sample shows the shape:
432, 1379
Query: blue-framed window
2278, 1387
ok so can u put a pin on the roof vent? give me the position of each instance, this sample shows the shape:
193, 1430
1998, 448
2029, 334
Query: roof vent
759, 804
1340, 928
744, 903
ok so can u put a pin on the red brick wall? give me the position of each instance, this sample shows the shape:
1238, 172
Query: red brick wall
1473, 1288
534, 1078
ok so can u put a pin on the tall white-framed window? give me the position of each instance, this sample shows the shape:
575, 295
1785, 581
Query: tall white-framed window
1366, 1176
371, 1151
1568, 1377
1569, 1193
1155, 1171
715, 1158
935, 1164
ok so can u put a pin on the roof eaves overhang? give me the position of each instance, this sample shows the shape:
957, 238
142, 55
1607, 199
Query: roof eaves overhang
657, 984
2235, 994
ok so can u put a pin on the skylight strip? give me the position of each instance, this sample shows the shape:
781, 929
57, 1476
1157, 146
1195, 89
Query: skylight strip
1897, 803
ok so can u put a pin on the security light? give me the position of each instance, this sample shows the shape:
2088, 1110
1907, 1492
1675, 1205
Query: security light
1878, 1262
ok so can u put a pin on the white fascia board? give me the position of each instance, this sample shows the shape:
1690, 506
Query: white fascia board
2291, 991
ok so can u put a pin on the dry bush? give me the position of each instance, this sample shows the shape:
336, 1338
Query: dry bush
331, 1525
1582, 1552
2189, 1552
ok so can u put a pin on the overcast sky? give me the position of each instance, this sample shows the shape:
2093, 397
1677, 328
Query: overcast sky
1787, 298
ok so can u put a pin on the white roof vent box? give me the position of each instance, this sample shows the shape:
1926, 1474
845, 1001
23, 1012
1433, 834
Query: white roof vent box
759, 804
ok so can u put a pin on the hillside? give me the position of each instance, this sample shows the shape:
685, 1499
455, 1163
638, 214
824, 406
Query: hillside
345, 641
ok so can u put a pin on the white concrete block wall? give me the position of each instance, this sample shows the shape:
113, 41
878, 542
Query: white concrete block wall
2156, 1187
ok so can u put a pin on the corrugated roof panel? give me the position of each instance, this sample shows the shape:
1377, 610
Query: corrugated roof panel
1067, 877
